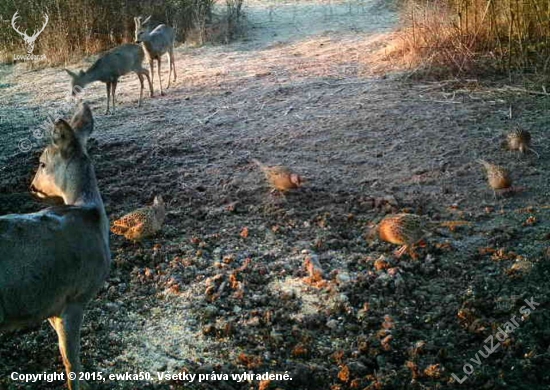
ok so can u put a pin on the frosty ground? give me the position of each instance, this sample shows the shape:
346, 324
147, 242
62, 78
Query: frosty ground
302, 89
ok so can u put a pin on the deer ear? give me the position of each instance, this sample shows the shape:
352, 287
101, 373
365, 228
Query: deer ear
63, 135
72, 74
82, 123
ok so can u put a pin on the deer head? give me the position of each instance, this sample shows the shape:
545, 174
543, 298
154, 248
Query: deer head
29, 40
141, 29
63, 168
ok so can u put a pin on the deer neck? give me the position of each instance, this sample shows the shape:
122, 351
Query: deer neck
87, 78
148, 42
83, 191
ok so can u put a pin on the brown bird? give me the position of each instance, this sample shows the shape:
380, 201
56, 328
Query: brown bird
520, 139
280, 178
497, 176
141, 223
402, 229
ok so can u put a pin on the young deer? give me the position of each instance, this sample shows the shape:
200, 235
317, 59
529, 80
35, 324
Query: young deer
109, 67
54, 261
155, 43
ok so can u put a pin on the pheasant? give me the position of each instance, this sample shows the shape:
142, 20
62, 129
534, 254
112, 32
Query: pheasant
280, 178
402, 229
497, 176
141, 223
520, 139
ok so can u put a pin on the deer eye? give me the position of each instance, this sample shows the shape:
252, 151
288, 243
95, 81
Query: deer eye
42, 165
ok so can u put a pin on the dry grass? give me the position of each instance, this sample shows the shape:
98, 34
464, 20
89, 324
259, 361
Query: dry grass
465, 37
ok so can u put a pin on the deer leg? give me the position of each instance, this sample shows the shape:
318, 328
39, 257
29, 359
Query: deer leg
173, 62
146, 74
160, 79
140, 76
67, 327
108, 97
152, 79
113, 90
170, 70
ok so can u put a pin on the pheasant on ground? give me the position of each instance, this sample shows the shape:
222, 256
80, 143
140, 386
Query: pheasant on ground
280, 178
402, 229
141, 223
520, 139
497, 176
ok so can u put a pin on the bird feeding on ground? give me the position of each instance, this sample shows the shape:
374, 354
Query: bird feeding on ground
280, 178
141, 223
498, 177
520, 140
402, 229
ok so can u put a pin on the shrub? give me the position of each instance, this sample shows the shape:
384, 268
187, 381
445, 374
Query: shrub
476, 36
78, 28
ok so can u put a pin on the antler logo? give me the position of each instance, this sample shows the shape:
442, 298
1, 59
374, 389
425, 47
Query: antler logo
29, 40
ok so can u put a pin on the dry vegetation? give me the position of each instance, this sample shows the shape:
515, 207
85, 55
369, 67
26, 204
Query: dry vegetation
461, 37
78, 28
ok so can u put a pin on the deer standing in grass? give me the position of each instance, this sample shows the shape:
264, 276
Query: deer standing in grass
109, 67
54, 261
156, 42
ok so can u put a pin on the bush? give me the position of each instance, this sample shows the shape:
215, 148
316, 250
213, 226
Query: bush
476, 36
82, 27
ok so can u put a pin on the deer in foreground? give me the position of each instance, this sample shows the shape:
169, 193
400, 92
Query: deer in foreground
156, 42
54, 261
109, 67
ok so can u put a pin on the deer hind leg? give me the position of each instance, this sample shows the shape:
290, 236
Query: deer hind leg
67, 327
108, 97
145, 73
169, 69
172, 62
113, 90
160, 79
152, 79
140, 76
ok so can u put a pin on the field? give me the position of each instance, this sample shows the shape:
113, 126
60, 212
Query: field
223, 288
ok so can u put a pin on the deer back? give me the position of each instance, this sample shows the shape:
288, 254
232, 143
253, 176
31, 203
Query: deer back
159, 40
117, 62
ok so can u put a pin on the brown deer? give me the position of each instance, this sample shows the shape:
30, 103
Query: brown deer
54, 261
109, 67
156, 42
